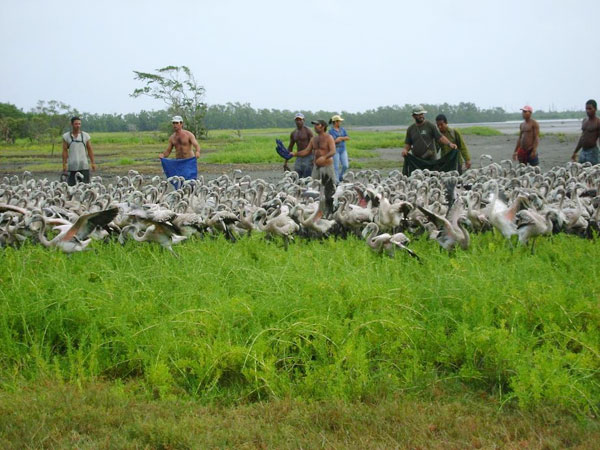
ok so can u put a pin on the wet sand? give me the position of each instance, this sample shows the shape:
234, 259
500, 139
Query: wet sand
554, 150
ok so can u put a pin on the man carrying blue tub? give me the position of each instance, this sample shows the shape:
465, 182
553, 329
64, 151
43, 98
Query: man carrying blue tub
185, 162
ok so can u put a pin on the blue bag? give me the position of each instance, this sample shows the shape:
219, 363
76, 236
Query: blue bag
282, 151
186, 168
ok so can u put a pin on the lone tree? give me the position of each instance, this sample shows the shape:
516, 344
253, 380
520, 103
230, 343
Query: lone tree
177, 87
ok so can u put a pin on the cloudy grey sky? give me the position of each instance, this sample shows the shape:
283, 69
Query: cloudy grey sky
334, 55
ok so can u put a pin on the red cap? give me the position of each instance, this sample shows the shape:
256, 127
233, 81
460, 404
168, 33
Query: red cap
527, 108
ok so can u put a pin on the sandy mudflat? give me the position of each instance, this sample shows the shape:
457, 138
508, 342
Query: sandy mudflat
553, 150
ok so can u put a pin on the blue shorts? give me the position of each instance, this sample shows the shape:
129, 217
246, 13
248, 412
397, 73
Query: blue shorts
589, 155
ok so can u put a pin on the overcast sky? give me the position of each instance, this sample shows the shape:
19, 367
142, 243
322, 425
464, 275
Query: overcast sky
332, 55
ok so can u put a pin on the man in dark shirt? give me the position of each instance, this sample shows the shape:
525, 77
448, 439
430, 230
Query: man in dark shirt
300, 137
590, 132
422, 135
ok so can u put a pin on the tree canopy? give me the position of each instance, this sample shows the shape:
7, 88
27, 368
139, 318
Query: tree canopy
177, 87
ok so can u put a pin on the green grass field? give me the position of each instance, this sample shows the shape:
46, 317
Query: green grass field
140, 150
116, 152
327, 330
480, 131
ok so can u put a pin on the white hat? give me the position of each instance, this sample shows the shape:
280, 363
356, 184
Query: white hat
299, 116
336, 118
177, 119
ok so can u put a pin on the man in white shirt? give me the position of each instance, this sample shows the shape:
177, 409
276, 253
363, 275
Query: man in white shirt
76, 150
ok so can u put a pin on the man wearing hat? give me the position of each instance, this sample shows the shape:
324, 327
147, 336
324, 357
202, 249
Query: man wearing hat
529, 139
340, 159
323, 147
183, 141
301, 137
422, 135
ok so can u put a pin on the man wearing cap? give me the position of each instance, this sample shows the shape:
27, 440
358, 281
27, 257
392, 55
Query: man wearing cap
323, 147
340, 159
182, 140
422, 135
76, 150
529, 139
301, 137
590, 133
185, 163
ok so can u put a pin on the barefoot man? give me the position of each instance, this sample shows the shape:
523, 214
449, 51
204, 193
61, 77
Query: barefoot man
183, 141
323, 148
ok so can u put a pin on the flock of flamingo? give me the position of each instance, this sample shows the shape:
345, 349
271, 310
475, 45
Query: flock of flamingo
504, 198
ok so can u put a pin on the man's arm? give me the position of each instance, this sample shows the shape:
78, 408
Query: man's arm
167, 152
514, 156
536, 138
444, 140
305, 152
578, 147
90, 153
331, 145
195, 145
406, 150
462, 146
292, 142
65, 155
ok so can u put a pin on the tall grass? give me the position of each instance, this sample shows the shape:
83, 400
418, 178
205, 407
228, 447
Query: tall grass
325, 320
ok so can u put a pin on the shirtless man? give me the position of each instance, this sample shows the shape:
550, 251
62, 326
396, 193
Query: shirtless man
323, 147
300, 137
529, 139
182, 140
590, 133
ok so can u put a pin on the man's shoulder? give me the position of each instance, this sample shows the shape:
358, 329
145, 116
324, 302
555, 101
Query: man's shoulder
86, 136
67, 136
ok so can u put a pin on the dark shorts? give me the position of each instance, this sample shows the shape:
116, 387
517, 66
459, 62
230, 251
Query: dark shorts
589, 155
72, 181
524, 157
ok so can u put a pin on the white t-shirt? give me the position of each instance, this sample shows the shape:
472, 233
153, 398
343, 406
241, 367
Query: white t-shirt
78, 158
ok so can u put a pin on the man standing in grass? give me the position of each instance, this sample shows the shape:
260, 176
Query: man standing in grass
301, 137
323, 147
590, 133
185, 163
77, 148
421, 137
453, 135
529, 138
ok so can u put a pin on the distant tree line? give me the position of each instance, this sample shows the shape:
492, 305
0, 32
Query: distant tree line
50, 119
